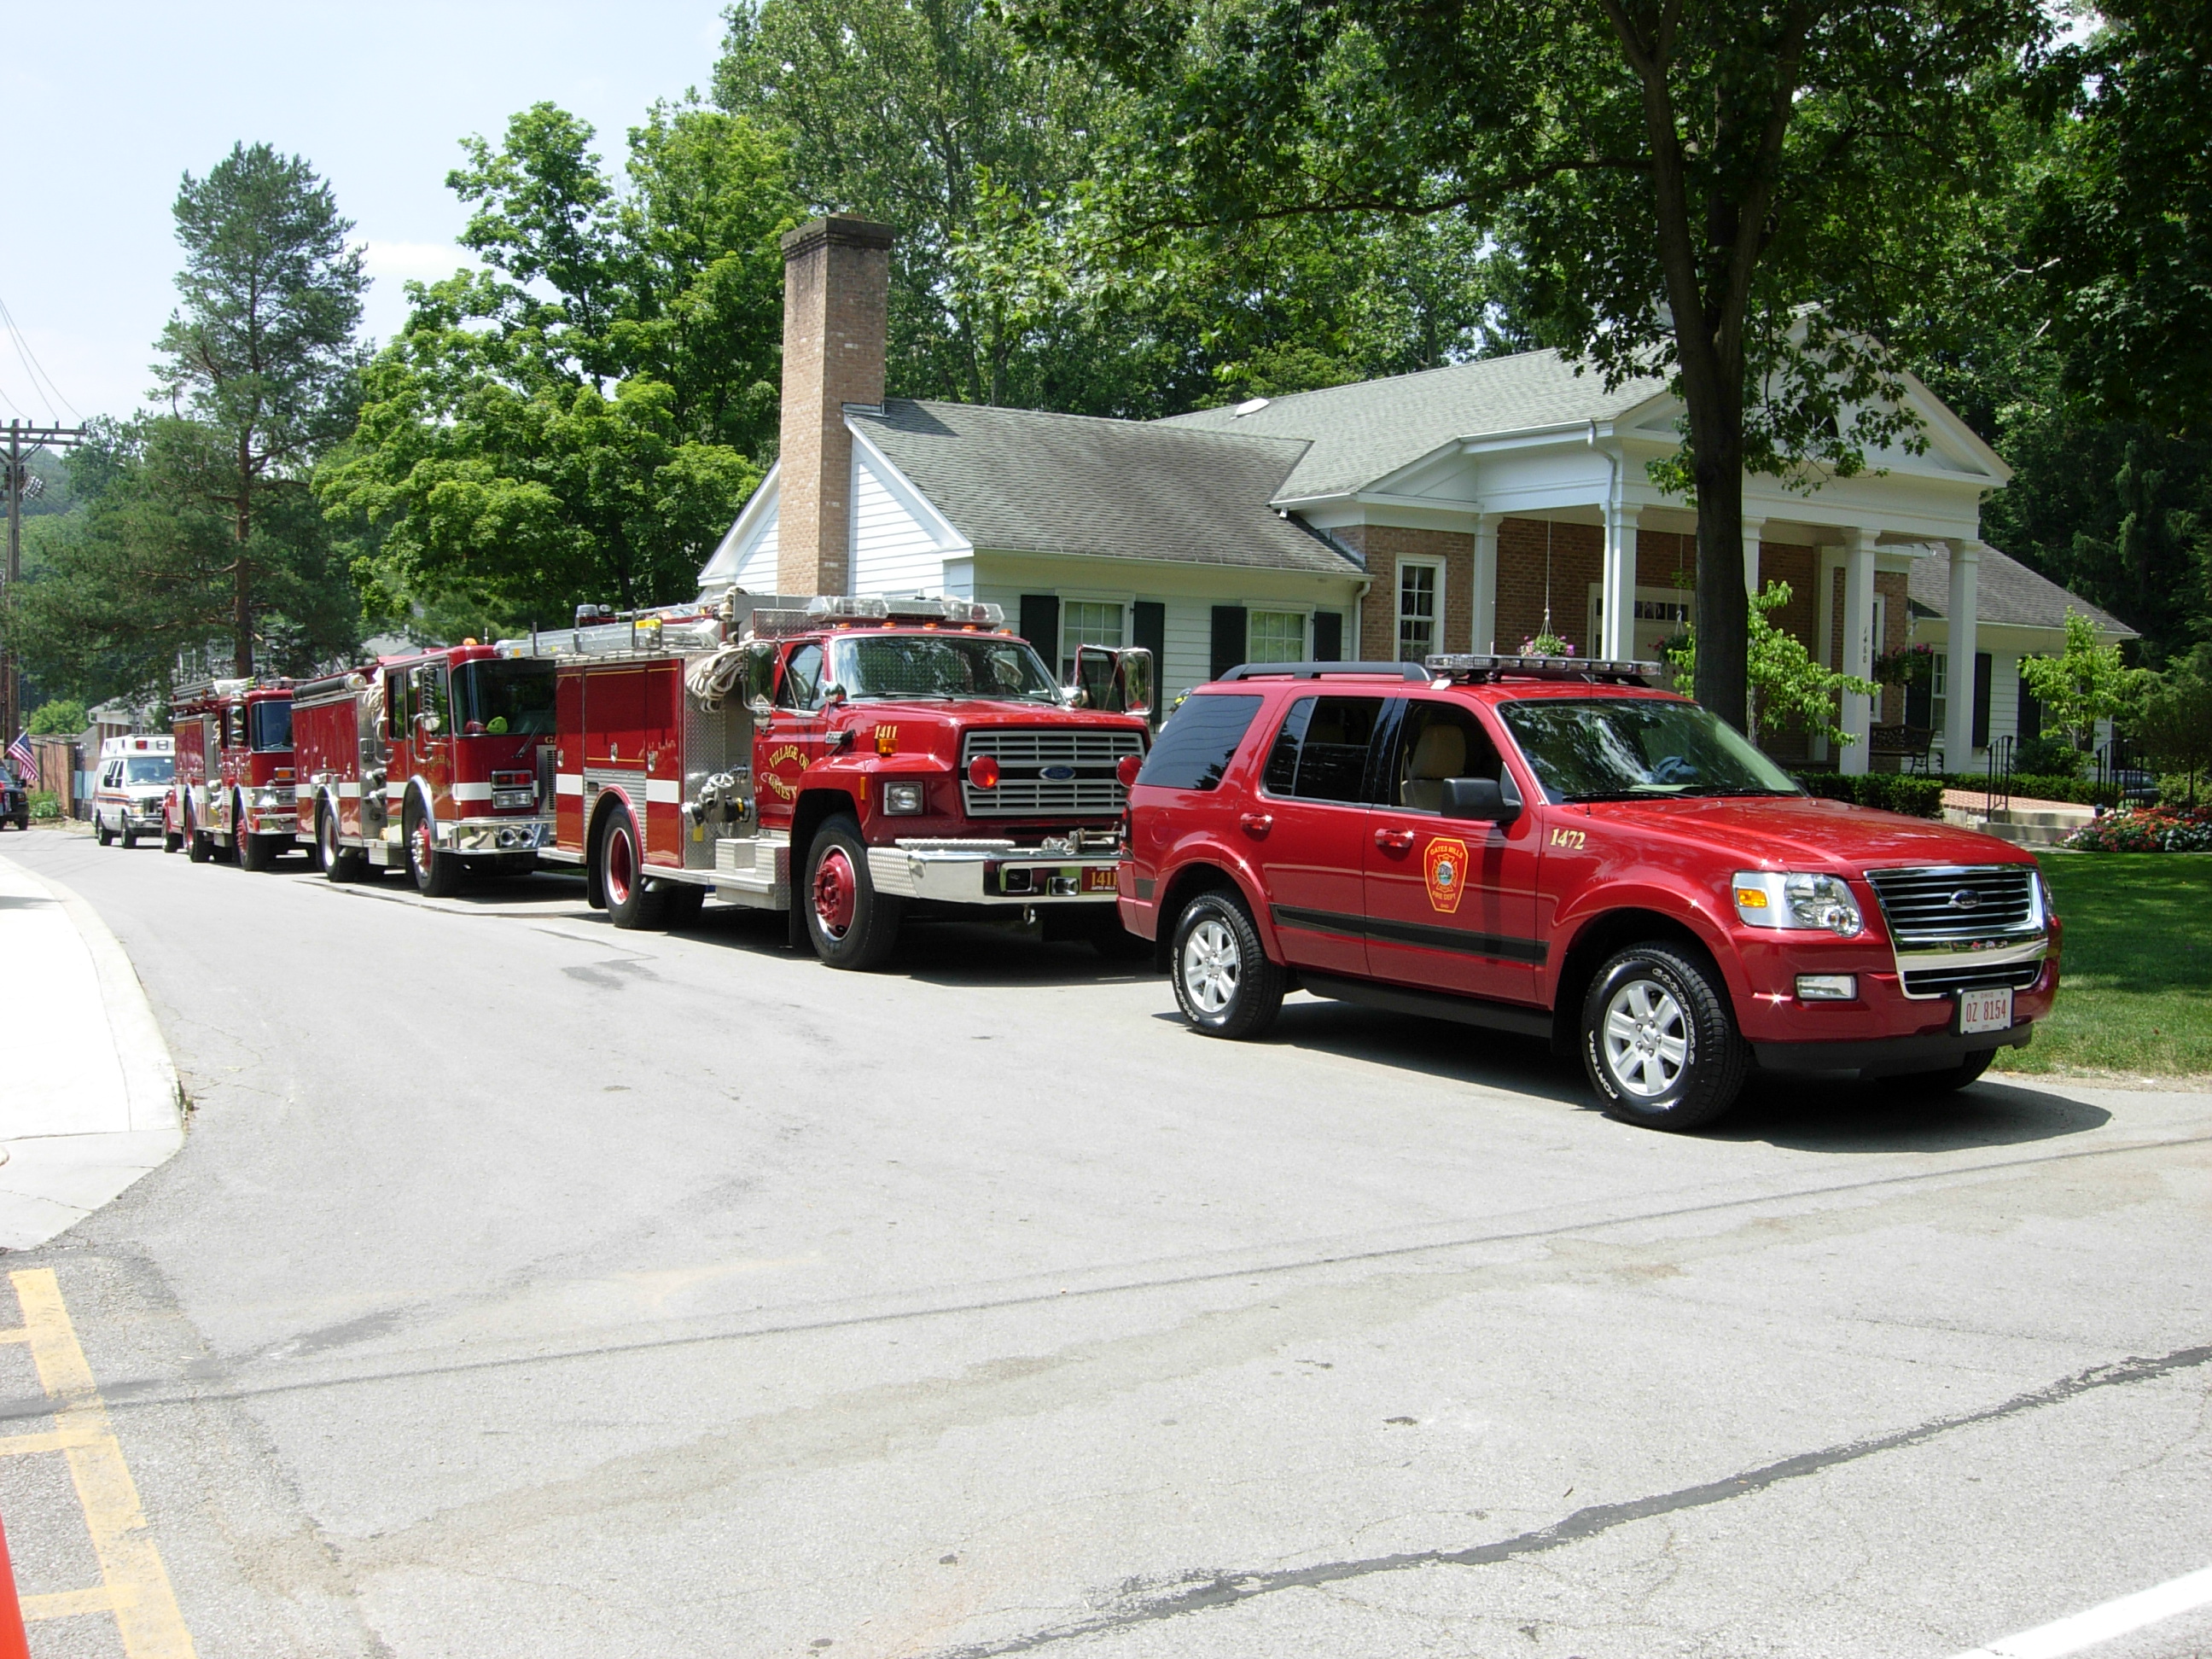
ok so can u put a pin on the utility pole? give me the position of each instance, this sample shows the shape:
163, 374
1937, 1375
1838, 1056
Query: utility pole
24, 441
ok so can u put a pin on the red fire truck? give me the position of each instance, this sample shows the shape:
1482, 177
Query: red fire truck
842, 760
233, 790
439, 762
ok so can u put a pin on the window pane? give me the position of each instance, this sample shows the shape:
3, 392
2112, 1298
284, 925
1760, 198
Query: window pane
1275, 636
1086, 622
1194, 746
1321, 754
1438, 740
1417, 612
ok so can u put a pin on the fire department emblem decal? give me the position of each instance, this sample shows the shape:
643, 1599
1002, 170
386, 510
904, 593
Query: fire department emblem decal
1445, 866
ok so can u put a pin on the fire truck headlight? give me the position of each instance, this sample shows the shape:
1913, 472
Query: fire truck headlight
904, 797
266, 801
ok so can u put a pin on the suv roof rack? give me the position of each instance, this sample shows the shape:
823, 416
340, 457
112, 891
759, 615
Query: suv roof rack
1470, 669
1413, 671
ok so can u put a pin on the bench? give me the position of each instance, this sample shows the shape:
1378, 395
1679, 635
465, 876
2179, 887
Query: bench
1909, 744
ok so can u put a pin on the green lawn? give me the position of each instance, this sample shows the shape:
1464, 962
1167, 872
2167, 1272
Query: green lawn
2136, 996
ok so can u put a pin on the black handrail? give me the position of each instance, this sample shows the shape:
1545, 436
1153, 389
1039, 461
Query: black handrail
1996, 777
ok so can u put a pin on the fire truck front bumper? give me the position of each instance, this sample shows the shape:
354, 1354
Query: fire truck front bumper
495, 834
996, 872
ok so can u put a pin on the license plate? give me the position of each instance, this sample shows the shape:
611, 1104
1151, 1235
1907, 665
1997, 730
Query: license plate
1101, 881
1985, 1011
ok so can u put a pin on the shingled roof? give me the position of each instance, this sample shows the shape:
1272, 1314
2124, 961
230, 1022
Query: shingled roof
2006, 594
1017, 481
1358, 433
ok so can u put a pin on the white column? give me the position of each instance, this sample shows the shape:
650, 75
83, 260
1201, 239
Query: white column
1958, 689
1858, 645
1486, 584
1618, 643
1752, 527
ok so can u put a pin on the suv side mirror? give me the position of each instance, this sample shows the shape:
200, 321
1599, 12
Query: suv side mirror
1481, 799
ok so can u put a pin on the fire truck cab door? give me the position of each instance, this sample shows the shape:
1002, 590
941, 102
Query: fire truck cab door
432, 735
793, 738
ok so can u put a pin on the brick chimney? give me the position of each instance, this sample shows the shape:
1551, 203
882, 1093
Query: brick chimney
836, 298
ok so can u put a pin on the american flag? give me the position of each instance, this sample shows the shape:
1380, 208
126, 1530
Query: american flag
25, 762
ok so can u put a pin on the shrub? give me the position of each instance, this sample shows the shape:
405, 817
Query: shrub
43, 802
1891, 792
2051, 757
2035, 786
2147, 829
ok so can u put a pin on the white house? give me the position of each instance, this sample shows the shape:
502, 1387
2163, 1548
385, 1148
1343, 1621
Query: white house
1463, 509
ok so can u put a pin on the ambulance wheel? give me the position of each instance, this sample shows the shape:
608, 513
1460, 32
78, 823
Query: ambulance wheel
129, 836
256, 852
685, 904
1659, 1039
850, 924
1224, 982
437, 875
100, 832
631, 902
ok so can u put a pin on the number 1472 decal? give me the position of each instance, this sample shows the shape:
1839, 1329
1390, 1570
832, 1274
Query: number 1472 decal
1567, 838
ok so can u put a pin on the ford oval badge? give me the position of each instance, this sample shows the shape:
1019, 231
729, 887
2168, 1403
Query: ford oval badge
1059, 774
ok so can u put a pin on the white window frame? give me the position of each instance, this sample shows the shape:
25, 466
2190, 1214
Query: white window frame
1279, 608
1064, 663
1418, 562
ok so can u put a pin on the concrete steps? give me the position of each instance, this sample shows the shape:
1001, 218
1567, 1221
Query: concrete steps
2024, 824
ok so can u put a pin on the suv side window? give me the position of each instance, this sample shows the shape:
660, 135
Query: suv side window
1195, 747
1437, 738
1320, 750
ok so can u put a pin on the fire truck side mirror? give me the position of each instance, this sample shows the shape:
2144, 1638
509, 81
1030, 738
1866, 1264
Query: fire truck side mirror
760, 678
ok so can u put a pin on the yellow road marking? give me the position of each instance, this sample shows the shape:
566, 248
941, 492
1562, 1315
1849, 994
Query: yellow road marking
135, 1585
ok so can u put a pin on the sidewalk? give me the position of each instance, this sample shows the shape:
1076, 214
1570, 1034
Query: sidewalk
89, 1099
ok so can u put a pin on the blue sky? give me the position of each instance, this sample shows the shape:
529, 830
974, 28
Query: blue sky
105, 107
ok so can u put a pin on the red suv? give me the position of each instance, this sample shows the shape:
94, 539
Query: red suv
1552, 847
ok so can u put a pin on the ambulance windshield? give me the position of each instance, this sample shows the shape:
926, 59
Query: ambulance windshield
150, 768
991, 665
512, 697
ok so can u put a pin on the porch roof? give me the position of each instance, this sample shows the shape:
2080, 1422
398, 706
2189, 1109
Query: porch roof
2007, 595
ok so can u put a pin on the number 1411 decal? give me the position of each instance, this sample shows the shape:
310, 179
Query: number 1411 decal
1568, 838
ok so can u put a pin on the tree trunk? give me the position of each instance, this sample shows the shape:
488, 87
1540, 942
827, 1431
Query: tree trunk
241, 586
1723, 623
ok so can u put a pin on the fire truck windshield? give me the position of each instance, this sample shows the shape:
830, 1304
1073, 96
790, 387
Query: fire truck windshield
511, 696
941, 665
272, 726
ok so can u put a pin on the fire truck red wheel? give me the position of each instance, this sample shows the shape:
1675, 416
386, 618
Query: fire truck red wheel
437, 875
851, 924
202, 843
630, 901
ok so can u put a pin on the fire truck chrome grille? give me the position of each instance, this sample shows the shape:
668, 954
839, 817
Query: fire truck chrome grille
1049, 773
1940, 908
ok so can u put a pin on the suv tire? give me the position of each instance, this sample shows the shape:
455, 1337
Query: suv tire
631, 901
850, 924
1659, 1039
1224, 983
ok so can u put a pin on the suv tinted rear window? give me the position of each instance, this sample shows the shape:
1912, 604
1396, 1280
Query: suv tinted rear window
1320, 753
1194, 746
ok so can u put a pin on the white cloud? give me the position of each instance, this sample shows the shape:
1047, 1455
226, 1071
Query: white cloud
421, 262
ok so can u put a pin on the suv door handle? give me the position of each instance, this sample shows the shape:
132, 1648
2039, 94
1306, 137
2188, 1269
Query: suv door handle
1394, 840
1257, 823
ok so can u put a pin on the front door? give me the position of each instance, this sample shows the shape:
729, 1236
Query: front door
792, 739
1310, 830
433, 737
1452, 903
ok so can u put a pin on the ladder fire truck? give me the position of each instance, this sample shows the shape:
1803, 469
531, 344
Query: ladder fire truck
439, 762
844, 761
232, 793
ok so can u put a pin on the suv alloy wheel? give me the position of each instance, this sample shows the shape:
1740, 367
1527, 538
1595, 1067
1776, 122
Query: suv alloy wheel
1224, 982
1659, 1040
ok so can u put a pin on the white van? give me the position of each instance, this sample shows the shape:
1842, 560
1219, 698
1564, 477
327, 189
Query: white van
132, 787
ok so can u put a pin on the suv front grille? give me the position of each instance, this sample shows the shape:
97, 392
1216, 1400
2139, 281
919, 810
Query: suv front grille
1948, 982
1947, 906
1087, 788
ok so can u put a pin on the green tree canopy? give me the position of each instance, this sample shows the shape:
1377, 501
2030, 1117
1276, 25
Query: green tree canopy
1729, 193
580, 419
63, 716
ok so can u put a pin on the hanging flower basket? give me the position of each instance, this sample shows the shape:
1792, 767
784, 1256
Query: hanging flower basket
1910, 664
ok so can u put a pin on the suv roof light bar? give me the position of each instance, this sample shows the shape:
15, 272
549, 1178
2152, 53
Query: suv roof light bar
1469, 669
1417, 673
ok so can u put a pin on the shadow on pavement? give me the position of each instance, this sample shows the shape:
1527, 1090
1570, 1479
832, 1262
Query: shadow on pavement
1436, 1048
1888, 1115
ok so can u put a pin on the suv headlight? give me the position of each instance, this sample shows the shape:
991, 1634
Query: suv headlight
1773, 898
904, 797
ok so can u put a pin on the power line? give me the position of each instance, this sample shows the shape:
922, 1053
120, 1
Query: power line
38, 369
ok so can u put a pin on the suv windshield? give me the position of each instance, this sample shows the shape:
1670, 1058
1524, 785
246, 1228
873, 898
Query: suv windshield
1638, 748
149, 769
941, 665
510, 696
272, 724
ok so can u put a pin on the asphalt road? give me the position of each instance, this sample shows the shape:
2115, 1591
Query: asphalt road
529, 1288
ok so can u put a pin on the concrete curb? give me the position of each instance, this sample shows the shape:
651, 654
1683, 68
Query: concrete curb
51, 1181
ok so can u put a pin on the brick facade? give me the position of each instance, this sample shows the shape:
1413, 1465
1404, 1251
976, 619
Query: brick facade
1383, 546
837, 294
1576, 560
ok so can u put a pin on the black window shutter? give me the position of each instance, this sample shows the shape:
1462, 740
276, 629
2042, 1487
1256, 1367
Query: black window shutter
2031, 715
1981, 700
1329, 636
1040, 627
1150, 625
1228, 638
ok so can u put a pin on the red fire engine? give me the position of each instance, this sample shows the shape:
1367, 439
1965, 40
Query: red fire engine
842, 760
439, 762
232, 791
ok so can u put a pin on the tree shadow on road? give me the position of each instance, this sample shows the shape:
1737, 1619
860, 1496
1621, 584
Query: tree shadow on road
1889, 1115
